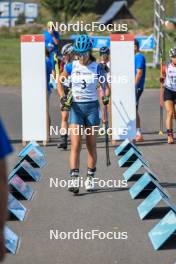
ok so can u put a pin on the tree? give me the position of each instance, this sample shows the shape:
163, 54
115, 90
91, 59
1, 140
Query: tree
68, 7
54, 6
21, 19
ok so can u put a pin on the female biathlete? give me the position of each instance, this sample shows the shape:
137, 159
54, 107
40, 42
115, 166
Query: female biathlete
169, 82
68, 56
84, 109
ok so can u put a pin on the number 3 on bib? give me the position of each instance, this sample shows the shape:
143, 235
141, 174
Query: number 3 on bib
83, 84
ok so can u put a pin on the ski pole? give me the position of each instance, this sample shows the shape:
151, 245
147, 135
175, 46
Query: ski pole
108, 162
161, 96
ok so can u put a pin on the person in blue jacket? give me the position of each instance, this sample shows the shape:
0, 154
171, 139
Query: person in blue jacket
5, 149
140, 73
52, 40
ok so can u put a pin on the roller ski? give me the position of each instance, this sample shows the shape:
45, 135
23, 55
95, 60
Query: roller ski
64, 142
73, 183
90, 183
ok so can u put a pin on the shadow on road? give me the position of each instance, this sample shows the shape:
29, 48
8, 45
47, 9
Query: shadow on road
103, 190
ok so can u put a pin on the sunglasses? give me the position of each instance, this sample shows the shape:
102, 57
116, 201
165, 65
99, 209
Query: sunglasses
85, 54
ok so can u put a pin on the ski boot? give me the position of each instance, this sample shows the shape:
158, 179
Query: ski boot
89, 183
73, 184
63, 144
170, 136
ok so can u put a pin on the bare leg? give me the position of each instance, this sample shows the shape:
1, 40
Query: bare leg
75, 147
64, 130
138, 121
91, 148
170, 111
64, 122
169, 120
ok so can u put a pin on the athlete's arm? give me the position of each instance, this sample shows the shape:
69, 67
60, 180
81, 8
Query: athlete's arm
63, 76
105, 84
56, 38
163, 74
138, 76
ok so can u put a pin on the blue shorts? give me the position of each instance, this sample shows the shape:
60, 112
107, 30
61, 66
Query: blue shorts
85, 113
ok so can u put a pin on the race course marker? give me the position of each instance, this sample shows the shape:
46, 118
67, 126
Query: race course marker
34, 91
123, 102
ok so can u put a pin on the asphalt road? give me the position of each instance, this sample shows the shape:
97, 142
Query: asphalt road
105, 210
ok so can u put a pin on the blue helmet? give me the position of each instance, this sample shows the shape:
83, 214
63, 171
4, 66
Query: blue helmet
82, 44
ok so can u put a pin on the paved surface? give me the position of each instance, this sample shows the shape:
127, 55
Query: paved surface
106, 209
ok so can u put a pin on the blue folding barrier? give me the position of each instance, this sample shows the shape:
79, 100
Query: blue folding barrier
146, 182
130, 157
19, 188
25, 170
128, 174
161, 232
137, 165
124, 147
15, 208
11, 240
156, 196
34, 158
29, 147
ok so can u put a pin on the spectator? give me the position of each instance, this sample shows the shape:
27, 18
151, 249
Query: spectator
5, 149
140, 70
52, 39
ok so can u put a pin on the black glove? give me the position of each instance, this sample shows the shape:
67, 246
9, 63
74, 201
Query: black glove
66, 101
105, 100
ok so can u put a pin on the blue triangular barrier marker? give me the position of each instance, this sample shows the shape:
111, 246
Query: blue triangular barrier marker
132, 169
33, 157
16, 208
130, 157
11, 240
135, 167
29, 147
152, 200
149, 203
161, 232
146, 182
25, 170
19, 187
124, 147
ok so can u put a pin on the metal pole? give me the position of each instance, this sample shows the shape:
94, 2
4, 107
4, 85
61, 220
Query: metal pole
10, 13
159, 19
174, 8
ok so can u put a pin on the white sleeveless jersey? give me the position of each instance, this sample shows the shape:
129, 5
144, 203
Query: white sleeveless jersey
84, 80
170, 80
